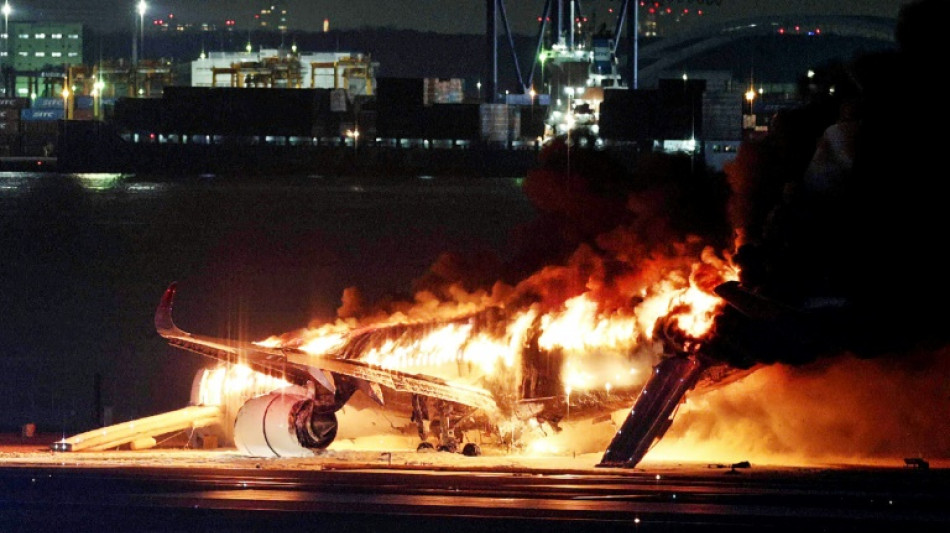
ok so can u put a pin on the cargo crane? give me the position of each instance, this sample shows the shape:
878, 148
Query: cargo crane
576, 63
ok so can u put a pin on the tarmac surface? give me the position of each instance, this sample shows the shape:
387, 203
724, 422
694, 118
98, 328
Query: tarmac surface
180, 489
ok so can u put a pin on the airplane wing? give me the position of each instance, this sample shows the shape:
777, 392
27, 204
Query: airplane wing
300, 367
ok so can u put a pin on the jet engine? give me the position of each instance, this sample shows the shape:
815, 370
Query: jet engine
283, 423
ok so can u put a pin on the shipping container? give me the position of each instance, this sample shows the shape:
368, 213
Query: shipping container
9, 113
83, 101
443, 91
400, 93
14, 103
501, 123
43, 114
83, 114
452, 121
41, 127
9, 126
47, 103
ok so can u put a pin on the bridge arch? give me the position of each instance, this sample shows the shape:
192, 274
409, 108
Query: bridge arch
657, 57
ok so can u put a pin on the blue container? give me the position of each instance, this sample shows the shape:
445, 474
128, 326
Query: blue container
83, 102
47, 103
43, 114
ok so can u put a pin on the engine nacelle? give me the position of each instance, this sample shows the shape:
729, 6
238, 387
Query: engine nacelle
283, 423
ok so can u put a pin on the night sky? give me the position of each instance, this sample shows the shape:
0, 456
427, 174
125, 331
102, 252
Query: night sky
466, 16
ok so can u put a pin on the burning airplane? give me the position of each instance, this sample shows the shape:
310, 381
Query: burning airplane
611, 298
485, 369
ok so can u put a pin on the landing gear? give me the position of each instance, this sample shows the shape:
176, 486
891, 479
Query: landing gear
447, 442
442, 427
450, 447
420, 415
471, 450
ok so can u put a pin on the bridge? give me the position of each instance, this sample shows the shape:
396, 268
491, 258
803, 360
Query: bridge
659, 56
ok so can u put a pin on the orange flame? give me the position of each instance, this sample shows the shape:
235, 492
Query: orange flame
598, 348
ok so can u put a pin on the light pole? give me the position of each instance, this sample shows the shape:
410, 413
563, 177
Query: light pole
141, 9
6, 43
97, 89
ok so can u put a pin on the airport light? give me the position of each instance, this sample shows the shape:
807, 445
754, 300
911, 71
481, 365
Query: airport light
6, 40
141, 8
97, 89
66, 103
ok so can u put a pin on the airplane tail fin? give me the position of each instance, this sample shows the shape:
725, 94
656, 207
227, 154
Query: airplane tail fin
163, 314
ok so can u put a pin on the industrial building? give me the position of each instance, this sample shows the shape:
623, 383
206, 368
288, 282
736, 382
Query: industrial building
35, 54
273, 68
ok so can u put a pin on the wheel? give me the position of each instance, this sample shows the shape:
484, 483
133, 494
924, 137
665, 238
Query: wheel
425, 447
471, 450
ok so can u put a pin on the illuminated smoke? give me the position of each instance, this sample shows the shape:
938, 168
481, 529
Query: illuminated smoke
615, 251
840, 410
574, 319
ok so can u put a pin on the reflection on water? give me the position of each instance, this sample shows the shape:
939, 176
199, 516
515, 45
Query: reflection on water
17, 182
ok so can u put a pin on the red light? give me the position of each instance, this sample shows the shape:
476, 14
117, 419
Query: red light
700, 12
817, 30
611, 10
781, 30
669, 10
797, 28
686, 11
652, 11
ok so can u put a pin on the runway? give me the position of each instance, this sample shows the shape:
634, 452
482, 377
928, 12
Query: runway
218, 490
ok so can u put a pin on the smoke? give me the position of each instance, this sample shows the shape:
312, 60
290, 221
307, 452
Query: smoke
601, 229
846, 254
837, 214
837, 410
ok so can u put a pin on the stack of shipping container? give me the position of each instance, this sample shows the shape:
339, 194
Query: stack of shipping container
10, 109
39, 126
30, 128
